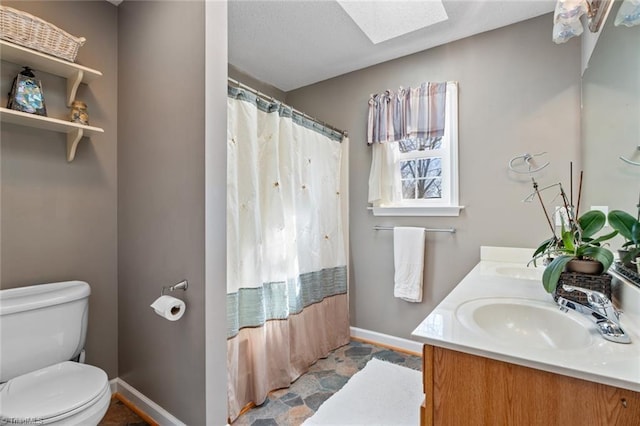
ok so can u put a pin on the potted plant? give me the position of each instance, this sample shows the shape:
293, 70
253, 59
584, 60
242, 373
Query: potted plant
629, 227
576, 249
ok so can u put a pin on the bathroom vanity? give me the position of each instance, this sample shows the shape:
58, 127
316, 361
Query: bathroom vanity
498, 350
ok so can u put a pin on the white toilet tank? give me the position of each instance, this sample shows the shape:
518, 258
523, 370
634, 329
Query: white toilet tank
41, 325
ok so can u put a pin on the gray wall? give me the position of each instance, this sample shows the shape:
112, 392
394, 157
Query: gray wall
519, 92
161, 195
611, 120
256, 84
59, 219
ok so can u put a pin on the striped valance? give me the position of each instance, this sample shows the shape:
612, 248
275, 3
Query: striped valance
412, 113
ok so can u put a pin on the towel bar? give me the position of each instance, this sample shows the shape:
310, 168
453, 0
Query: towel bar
390, 228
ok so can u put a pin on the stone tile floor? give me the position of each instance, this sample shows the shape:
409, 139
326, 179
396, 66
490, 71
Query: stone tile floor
293, 405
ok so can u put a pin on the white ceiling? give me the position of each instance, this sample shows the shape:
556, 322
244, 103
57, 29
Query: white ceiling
293, 43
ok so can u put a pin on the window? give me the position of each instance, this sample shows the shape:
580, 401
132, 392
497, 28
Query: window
418, 177
421, 170
421, 178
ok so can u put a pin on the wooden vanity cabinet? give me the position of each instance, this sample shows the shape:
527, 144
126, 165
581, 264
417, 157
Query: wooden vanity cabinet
462, 389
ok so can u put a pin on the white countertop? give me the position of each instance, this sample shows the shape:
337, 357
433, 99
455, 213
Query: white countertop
598, 360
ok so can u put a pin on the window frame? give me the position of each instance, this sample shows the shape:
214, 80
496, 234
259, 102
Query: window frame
448, 205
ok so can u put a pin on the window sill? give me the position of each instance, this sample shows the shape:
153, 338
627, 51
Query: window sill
417, 211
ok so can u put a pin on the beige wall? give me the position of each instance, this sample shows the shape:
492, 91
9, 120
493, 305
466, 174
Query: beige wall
58, 218
256, 84
519, 92
161, 194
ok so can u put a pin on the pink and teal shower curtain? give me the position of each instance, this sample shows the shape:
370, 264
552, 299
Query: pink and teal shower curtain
287, 275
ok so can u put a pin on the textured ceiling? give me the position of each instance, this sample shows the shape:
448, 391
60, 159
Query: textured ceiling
293, 43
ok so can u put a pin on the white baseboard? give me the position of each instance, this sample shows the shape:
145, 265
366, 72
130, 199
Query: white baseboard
387, 340
153, 410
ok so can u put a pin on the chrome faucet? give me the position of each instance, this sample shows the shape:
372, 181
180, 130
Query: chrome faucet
600, 310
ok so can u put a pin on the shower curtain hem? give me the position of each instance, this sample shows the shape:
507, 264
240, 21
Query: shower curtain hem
285, 350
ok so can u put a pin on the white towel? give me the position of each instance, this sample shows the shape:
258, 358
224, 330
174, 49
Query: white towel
408, 256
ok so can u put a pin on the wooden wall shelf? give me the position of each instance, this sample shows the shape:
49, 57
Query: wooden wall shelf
74, 73
74, 131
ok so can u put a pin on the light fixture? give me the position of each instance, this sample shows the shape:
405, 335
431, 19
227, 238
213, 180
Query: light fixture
568, 14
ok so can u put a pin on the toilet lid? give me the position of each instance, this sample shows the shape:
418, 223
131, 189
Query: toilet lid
51, 391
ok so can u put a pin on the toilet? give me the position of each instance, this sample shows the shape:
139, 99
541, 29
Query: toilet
43, 380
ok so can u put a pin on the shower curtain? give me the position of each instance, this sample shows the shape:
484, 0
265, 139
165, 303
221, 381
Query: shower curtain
286, 273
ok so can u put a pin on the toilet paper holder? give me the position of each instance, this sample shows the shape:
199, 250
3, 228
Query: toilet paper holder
182, 285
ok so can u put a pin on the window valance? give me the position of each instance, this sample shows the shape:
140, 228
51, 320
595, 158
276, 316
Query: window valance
413, 113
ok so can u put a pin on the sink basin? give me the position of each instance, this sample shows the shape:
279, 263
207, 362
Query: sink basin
524, 323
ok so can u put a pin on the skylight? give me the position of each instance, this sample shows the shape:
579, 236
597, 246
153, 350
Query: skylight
383, 20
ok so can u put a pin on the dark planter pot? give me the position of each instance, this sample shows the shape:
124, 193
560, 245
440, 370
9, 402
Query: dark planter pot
589, 267
625, 259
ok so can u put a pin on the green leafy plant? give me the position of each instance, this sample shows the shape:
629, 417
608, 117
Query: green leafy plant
577, 241
629, 227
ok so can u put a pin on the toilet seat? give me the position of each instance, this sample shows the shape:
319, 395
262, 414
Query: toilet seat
53, 393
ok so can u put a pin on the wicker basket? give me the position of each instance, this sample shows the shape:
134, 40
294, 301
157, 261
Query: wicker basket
30, 31
601, 283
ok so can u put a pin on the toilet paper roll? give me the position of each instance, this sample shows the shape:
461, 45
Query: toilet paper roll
169, 307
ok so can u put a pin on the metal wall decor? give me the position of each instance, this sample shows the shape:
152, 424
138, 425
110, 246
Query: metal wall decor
628, 161
26, 94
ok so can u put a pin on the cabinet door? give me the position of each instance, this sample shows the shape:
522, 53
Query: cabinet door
471, 390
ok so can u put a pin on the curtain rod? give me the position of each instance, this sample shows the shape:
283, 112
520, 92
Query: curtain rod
272, 99
390, 228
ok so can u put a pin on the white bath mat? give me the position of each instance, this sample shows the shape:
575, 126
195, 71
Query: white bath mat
380, 394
